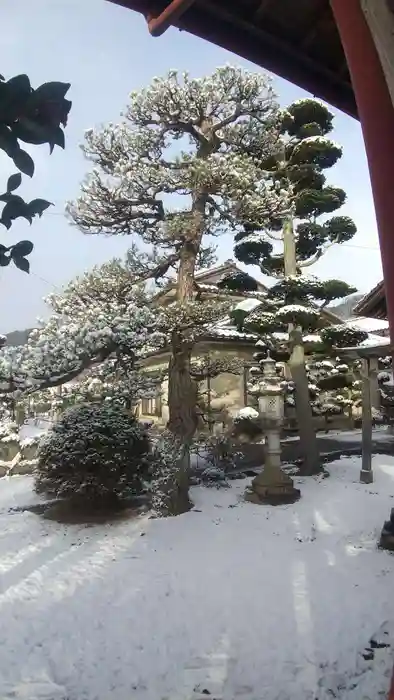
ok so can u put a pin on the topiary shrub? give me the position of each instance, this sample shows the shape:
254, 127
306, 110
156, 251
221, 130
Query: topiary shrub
248, 425
96, 453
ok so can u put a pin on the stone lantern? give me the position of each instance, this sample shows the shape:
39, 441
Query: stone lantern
272, 485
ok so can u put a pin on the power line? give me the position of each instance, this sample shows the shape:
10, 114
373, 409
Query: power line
51, 284
362, 247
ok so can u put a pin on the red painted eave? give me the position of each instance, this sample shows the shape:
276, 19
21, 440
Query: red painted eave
222, 24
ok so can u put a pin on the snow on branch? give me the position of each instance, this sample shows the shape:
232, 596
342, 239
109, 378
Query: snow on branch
179, 136
97, 317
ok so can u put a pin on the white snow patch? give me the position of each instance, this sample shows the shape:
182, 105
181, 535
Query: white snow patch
373, 340
387, 377
242, 601
369, 325
247, 412
312, 338
231, 332
248, 304
33, 428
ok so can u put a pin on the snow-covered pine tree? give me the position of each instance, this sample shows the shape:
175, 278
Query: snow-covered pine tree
285, 236
171, 173
101, 320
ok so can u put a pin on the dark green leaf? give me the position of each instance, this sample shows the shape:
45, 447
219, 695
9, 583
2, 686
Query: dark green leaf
6, 222
29, 131
36, 133
8, 141
53, 91
5, 197
67, 106
13, 182
24, 162
38, 206
20, 83
4, 260
2, 77
15, 94
13, 209
22, 249
56, 138
9, 197
3, 249
22, 264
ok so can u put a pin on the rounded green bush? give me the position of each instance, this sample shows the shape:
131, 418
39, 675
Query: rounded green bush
97, 452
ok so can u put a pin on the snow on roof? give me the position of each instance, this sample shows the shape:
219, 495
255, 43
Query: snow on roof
231, 292
364, 323
373, 340
225, 328
216, 268
376, 291
230, 332
247, 305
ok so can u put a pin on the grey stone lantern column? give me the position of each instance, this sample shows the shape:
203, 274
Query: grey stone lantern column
272, 485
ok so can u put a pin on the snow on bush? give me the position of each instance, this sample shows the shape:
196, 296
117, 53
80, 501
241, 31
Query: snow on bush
247, 423
247, 412
9, 431
93, 452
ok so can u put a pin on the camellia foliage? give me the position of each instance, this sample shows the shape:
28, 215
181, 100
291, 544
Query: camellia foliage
93, 453
32, 116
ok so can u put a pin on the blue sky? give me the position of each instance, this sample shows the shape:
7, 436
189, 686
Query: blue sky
105, 51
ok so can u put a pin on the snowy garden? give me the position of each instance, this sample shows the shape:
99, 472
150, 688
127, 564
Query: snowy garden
104, 592
227, 601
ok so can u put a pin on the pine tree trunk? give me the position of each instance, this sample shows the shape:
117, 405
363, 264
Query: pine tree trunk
308, 440
182, 402
307, 434
182, 389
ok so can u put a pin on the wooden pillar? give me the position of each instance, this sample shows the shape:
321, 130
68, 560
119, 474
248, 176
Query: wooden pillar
366, 474
373, 381
376, 113
245, 378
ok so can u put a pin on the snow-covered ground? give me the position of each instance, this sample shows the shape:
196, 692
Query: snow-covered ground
239, 601
33, 427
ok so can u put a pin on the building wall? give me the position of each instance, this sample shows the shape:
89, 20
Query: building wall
227, 391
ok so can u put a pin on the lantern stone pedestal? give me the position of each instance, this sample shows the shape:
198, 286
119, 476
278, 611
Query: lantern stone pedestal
272, 486
272, 489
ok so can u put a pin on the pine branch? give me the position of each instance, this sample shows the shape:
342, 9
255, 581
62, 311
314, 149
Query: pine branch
41, 383
322, 251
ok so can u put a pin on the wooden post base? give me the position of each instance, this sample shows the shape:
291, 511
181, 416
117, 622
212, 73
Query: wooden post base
366, 476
